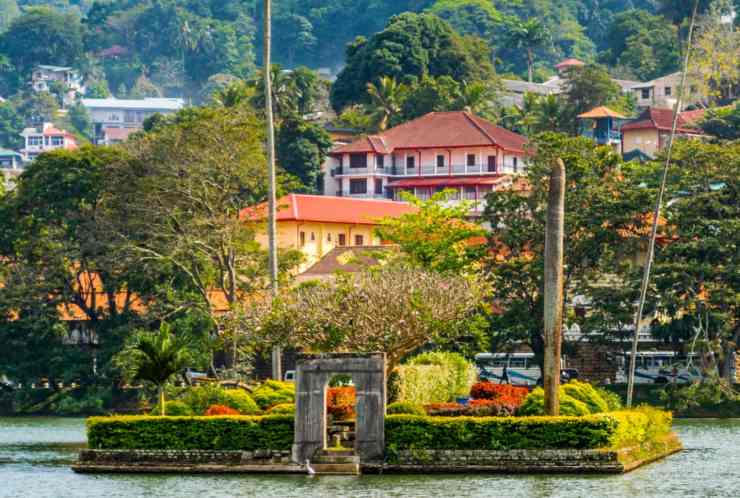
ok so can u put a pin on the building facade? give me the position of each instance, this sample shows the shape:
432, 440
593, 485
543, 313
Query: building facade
44, 77
315, 224
125, 114
438, 151
43, 139
663, 92
649, 133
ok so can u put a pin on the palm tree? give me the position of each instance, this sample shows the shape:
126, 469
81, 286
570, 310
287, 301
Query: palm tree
155, 358
386, 99
522, 118
234, 94
476, 97
285, 95
548, 113
528, 35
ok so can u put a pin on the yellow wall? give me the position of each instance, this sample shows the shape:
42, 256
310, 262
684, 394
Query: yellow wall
320, 238
646, 141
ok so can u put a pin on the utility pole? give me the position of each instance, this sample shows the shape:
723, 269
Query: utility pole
271, 199
656, 213
554, 286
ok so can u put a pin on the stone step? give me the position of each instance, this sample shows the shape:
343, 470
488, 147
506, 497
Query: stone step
337, 459
336, 468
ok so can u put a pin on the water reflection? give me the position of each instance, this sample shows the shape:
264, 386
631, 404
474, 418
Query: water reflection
35, 453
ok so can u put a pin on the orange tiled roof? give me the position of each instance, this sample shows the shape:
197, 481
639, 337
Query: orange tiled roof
327, 209
601, 112
439, 130
569, 63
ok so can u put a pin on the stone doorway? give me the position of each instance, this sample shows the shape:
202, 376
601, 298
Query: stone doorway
313, 373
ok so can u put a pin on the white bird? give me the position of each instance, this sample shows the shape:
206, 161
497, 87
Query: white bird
310, 469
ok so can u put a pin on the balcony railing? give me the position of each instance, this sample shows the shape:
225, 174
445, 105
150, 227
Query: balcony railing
433, 170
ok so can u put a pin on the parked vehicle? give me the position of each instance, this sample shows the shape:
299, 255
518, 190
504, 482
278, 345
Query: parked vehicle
659, 367
519, 369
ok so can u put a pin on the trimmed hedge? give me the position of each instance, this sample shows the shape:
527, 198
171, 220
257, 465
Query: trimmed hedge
606, 430
245, 433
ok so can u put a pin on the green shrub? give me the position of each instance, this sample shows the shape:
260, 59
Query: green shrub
605, 430
585, 393
460, 373
282, 409
175, 408
423, 384
404, 408
613, 401
576, 399
242, 433
274, 392
240, 400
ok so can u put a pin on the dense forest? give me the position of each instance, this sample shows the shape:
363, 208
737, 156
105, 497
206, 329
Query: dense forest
176, 47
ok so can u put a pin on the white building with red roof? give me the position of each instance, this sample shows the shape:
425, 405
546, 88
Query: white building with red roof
45, 138
438, 151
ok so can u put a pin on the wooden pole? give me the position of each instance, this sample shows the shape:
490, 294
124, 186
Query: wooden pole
553, 313
271, 196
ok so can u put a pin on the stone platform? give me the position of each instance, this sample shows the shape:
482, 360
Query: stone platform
407, 461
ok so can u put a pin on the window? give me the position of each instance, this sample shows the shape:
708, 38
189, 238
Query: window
516, 165
491, 164
57, 141
358, 186
380, 161
302, 238
471, 160
645, 93
328, 237
341, 239
470, 193
410, 162
359, 240
667, 91
35, 141
422, 193
358, 160
313, 236
379, 186
440, 161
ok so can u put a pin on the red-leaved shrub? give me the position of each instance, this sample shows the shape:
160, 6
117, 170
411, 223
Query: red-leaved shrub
340, 402
507, 397
445, 409
214, 410
491, 408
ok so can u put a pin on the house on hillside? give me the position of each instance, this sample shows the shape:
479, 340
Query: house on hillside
316, 224
43, 78
11, 165
663, 92
603, 125
649, 133
45, 138
438, 151
125, 114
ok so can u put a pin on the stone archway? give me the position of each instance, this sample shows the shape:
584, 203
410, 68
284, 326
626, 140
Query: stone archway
313, 372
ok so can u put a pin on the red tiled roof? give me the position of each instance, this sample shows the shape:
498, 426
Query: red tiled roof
659, 119
569, 62
449, 181
439, 130
327, 209
693, 117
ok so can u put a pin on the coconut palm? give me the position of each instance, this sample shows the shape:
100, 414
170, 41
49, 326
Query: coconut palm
548, 113
386, 99
528, 35
476, 97
155, 357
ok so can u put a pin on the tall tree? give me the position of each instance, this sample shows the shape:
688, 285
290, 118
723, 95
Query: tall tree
528, 35
386, 99
411, 45
302, 147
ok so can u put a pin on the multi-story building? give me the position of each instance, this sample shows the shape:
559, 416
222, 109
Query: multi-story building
45, 138
438, 151
11, 165
109, 114
316, 224
663, 92
43, 77
649, 133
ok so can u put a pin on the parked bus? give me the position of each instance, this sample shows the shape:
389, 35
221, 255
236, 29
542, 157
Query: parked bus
659, 367
519, 369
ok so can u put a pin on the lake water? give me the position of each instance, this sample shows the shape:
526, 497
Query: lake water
35, 454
